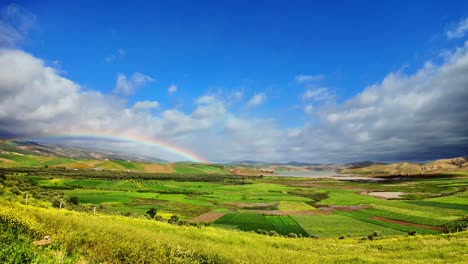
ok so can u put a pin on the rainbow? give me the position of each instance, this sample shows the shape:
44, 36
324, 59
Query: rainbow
170, 148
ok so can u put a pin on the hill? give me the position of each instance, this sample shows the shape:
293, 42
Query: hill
54, 150
86, 238
453, 165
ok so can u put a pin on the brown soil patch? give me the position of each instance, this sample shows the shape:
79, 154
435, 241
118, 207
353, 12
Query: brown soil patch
387, 195
6, 160
383, 219
158, 168
207, 218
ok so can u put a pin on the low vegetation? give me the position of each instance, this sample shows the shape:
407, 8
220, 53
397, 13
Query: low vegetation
104, 216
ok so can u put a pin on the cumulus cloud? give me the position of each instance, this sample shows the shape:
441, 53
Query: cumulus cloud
15, 23
459, 31
308, 78
421, 115
35, 100
146, 105
172, 89
128, 86
257, 100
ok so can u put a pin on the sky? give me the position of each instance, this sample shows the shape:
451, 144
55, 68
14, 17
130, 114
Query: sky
246, 80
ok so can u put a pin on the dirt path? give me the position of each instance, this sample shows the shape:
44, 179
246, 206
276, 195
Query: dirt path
383, 219
207, 218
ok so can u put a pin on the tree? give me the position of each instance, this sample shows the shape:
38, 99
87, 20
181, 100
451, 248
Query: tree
152, 212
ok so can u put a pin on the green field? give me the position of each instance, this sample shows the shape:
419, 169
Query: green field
320, 225
273, 207
282, 224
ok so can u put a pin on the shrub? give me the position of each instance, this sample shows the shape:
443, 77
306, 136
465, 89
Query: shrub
14, 190
273, 233
152, 212
74, 200
341, 237
411, 233
293, 235
173, 220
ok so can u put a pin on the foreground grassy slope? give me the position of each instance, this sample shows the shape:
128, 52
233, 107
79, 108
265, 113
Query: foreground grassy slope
85, 238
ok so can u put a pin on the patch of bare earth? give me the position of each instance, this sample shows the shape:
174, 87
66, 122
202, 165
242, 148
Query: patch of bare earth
387, 195
207, 218
388, 220
158, 168
5, 160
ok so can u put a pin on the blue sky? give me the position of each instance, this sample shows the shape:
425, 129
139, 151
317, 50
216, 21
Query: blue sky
286, 65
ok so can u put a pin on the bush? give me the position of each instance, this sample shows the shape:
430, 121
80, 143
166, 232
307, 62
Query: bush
14, 190
411, 233
152, 212
458, 225
74, 200
173, 220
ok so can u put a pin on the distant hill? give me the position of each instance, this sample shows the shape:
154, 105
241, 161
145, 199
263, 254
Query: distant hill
459, 164
54, 150
16, 153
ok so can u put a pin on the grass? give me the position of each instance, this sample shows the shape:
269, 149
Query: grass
320, 225
89, 238
282, 224
366, 217
119, 194
288, 206
405, 217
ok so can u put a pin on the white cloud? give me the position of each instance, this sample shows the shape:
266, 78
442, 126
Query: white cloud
308, 78
237, 95
128, 86
421, 115
15, 23
146, 105
417, 115
172, 89
256, 100
308, 109
459, 31
319, 94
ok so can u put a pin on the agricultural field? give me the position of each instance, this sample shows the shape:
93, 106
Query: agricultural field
280, 210
279, 205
